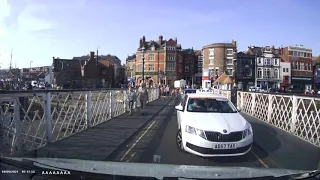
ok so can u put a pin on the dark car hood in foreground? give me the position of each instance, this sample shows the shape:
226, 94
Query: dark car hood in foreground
154, 170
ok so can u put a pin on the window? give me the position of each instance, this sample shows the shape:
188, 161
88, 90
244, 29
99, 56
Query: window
276, 74
211, 52
259, 60
171, 48
211, 61
284, 70
295, 53
301, 66
267, 61
139, 67
229, 52
266, 73
151, 57
186, 69
171, 67
151, 67
295, 65
290, 53
229, 61
259, 75
287, 69
152, 48
276, 61
170, 57
211, 105
308, 67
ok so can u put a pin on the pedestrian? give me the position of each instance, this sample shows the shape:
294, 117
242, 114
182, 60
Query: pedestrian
143, 96
131, 96
162, 91
167, 90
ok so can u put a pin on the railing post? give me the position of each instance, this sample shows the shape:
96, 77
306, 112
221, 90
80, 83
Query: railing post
294, 113
16, 143
111, 103
253, 107
152, 95
269, 108
125, 100
242, 99
48, 120
88, 109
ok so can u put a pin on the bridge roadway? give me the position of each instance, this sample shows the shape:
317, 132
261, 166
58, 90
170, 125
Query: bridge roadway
144, 139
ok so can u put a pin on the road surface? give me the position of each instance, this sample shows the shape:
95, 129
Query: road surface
156, 144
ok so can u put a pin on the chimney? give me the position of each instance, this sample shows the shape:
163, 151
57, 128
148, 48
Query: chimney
140, 42
176, 40
160, 39
234, 42
279, 51
92, 55
143, 39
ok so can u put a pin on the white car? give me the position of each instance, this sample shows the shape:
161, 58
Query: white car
210, 125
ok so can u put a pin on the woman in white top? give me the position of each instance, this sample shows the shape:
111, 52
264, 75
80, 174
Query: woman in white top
142, 96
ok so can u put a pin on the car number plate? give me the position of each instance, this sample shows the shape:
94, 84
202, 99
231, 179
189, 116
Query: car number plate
225, 146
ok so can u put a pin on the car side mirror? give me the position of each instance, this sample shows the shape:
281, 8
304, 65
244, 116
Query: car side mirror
179, 108
239, 109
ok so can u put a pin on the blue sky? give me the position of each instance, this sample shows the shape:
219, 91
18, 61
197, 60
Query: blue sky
37, 30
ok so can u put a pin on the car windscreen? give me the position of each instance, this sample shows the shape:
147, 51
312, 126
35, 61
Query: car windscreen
211, 105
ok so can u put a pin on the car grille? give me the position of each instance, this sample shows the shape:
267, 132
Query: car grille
218, 137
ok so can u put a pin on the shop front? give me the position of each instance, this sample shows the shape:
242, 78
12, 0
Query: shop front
301, 82
317, 77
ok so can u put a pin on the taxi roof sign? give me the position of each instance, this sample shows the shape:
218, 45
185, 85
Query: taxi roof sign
205, 91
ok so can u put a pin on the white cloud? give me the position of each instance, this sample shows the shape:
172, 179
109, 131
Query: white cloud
4, 13
31, 18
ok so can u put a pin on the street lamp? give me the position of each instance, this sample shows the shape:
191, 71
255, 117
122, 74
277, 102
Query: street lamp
142, 49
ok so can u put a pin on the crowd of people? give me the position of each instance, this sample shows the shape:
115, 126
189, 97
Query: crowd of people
141, 95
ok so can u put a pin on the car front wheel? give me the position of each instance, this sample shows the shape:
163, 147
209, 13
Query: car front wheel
179, 140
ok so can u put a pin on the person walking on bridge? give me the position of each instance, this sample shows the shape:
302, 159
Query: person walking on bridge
143, 96
131, 96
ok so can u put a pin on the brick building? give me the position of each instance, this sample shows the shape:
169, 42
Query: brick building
163, 61
316, 73
189, 64
130, 65
198, 54
300, 58
267, 67
116, 64
218, 58
83, 73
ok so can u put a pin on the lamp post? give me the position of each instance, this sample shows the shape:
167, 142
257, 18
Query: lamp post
142, 49
97, 69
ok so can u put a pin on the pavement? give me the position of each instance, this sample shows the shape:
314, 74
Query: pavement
99, 142
272, 148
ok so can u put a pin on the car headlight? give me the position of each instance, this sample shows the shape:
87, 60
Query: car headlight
247, 132
250, 131
195, 131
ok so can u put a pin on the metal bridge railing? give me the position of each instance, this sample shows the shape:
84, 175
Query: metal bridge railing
31, 119
298, 115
